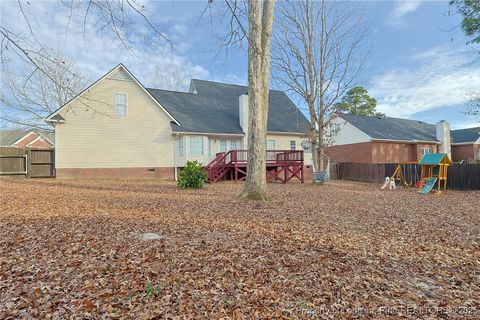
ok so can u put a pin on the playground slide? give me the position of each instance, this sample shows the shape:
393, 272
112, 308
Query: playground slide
384, 185
428, 186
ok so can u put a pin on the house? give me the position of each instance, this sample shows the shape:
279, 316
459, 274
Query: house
27, 139
372, 139
117, 128
466, 144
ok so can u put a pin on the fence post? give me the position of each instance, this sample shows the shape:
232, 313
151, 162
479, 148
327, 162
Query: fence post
28, 159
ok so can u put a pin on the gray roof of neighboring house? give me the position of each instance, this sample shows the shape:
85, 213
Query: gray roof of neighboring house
49, 135
213, 108
388, 128
8, 137
465, 135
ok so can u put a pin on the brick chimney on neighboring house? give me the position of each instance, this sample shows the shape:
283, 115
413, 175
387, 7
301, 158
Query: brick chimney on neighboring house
443, 135
243, 114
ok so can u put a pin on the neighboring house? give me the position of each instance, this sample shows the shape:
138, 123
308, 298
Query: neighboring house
466, 144
117, 128
373, 139
384, 139
27, 139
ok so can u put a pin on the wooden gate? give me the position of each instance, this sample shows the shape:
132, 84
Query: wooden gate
41, 163
27, 163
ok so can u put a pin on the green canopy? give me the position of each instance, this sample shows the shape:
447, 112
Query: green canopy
434, 159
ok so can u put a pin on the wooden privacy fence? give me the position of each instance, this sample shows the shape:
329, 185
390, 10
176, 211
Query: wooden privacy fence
27, 163
463, 176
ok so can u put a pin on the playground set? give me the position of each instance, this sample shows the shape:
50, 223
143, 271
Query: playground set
434, 169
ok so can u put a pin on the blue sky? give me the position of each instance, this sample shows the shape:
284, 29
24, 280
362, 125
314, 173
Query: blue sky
418, 67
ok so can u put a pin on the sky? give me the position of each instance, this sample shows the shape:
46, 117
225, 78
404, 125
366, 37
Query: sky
418, 66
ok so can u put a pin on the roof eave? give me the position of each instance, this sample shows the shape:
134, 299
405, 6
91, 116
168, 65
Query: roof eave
287, 133
208, 133
406, 141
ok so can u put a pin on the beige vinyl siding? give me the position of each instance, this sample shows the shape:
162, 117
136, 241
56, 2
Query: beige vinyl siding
282, 142
204, 159
96, 138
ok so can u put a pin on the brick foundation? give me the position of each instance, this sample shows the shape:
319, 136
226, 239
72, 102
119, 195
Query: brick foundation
164, 173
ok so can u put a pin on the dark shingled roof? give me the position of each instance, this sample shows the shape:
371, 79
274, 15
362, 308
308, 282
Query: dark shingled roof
465, 135
213, 108
198, 113
388, 128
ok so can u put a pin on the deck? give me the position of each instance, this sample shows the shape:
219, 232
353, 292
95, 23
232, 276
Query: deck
281, 165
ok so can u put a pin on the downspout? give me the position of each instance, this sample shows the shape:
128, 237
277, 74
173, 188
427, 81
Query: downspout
175, 156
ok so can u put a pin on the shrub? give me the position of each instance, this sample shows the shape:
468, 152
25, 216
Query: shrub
193, 176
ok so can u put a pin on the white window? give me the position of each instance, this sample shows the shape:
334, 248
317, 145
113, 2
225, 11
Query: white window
478, 155
209, 147
426, 151
120, 104
223, 145
196, 145
293, 145
181, 149
227, 145
234, 144
307, 146
270, 144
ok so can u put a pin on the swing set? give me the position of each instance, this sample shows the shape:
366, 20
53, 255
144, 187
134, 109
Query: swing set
434, 169
406, 174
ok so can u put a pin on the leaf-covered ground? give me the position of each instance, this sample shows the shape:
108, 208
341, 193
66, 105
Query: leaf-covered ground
75, 249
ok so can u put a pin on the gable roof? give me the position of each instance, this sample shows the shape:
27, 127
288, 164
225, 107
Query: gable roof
53, 116
434, 159
213, 107
469, 135
9, 137
388, 128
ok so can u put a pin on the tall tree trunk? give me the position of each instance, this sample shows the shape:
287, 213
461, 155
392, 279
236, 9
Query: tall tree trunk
313, 133
259, 36
321, 90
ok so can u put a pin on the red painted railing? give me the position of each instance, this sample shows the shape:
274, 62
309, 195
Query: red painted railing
218, 167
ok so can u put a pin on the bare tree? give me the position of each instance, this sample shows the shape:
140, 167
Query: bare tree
260, 23
124, 19
259, 16
27, 103
171, 77
318, 53
473, 105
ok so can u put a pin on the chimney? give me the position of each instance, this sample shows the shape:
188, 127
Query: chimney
443, 135
243, 116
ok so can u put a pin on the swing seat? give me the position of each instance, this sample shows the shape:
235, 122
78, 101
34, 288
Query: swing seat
320, 177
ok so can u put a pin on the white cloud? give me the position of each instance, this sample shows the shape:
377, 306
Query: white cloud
439, 77
400, 9
95, 52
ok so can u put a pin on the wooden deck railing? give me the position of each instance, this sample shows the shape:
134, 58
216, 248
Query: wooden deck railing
240, 156
237, 159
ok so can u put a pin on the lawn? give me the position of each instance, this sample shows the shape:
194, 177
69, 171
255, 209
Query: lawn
77, 249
